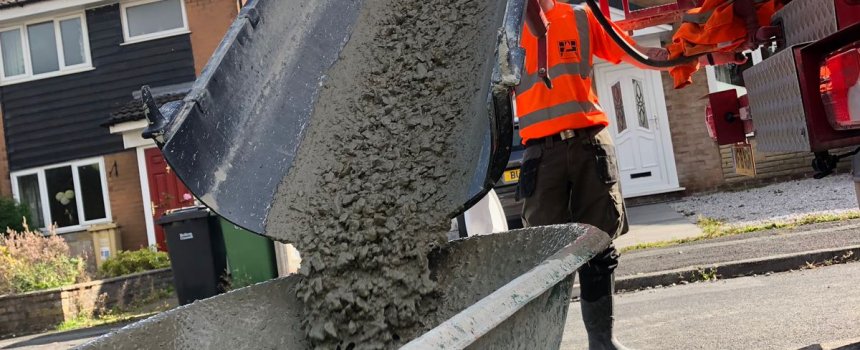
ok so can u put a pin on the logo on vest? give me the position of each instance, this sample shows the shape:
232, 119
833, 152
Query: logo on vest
567, 50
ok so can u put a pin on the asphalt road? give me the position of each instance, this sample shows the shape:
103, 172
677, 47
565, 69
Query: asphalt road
57, 341
787, 310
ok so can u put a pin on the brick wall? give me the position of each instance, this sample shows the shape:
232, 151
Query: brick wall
697, 157
43, 310
5, 181
208, 21
126, 200
775, 166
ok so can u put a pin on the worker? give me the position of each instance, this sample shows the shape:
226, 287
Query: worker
569, 172
719, 27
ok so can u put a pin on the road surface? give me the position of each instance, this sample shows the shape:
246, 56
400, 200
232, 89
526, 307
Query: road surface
781, 311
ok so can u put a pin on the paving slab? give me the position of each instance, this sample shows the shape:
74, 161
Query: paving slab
656, 223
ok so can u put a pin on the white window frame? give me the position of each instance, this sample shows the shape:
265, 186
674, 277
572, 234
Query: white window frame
43, 190
152, 36
25, 46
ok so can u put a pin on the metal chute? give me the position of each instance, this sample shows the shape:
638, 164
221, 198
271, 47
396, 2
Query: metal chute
236, 134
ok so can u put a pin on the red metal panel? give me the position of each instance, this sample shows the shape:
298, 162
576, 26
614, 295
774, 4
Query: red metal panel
822, 136
604, 7
847, 12
728, 126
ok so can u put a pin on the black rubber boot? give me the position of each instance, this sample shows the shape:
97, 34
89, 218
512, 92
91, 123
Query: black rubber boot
598, 318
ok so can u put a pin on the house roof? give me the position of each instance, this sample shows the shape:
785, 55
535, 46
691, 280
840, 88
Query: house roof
13, 3
133, 110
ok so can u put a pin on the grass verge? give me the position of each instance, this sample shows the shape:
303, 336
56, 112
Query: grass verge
712, 228
158, 301
84, 321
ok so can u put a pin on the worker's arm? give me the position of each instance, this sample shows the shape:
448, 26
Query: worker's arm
607, 49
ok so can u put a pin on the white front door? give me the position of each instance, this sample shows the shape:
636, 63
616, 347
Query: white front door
634, 102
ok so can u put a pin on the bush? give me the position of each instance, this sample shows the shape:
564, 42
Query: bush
128, 262
31, 261
13, 215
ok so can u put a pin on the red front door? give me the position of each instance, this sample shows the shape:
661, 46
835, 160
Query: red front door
165, 191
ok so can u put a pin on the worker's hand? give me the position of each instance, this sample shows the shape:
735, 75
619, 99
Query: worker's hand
655, 53
721, 58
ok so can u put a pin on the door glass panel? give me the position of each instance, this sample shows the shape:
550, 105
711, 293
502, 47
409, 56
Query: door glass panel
61, 196
618, 102
641, 113
73, 41
92, 193
29, 195
43, 47
13, 53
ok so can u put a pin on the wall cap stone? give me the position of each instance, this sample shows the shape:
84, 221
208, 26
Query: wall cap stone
83, 285
102, 227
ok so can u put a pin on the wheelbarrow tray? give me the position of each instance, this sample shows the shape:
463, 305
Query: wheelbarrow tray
509, 290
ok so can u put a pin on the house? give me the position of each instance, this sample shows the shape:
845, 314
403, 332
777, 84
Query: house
72, 151
69, 72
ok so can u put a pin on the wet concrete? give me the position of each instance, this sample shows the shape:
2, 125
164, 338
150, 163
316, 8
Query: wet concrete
386, 160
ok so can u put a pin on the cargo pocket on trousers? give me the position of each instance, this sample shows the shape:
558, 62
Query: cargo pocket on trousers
529, 173
616, 224
606, 167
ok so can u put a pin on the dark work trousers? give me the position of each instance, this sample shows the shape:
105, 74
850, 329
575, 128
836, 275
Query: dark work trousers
576, 180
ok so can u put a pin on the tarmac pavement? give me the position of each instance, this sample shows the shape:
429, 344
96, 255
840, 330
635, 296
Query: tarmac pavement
58, 340
740, 255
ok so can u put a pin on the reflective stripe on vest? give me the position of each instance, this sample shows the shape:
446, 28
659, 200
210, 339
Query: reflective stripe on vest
556, 111
582, 68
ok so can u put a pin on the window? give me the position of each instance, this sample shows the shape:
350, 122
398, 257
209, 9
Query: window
68, 195
44, 48
153, 19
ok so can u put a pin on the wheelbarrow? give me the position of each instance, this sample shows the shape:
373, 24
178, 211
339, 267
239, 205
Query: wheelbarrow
236, 136
509, 290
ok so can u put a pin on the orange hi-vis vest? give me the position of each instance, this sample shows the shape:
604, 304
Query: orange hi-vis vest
574, 38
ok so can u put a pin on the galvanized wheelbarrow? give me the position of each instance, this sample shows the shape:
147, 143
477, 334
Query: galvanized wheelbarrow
504, 291
232, 146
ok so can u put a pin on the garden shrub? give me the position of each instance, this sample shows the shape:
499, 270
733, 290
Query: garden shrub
32, 261
13, 215
128, 262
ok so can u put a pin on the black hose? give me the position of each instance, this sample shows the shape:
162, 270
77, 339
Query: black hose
632, 51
